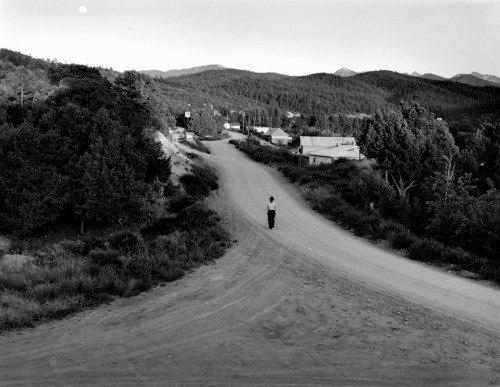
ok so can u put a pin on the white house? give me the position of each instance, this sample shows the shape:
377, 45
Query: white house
226, 125
328, 155
189, 136
234, 126
290, 114
279, 137
260, 129
309, 143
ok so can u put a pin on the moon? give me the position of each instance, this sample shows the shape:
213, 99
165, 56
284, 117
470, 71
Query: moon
82, 9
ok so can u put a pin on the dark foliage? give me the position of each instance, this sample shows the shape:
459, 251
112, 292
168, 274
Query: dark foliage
200, 181
104, 257
83, 153
126, 241
78, 149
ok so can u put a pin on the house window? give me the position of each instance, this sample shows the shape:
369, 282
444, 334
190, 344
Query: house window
314, 160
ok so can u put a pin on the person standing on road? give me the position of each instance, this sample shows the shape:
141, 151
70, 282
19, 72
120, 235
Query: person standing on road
271, 213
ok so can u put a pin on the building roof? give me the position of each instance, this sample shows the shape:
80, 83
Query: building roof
278, 132
325, 142
347, 151
260, 129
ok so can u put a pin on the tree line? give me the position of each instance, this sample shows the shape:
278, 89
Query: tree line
444, 189
74, 147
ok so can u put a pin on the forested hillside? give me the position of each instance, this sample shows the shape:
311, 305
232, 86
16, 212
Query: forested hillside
86, 199
82, 133
319, 96
74, 147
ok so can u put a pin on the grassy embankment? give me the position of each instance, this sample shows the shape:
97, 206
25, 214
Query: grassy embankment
67, 276
342, 192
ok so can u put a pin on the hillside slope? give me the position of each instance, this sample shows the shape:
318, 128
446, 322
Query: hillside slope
177, 73
326, 93
318, 97
473, 80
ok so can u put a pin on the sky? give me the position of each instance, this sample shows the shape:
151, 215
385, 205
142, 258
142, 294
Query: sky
294, 37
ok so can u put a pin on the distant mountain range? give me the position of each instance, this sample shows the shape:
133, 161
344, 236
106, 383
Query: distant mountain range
178, 73
266, 96
473, 79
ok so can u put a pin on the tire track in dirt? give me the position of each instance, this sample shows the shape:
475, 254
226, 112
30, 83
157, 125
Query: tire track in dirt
275, 309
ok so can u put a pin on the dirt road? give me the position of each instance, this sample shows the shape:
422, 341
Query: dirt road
306, 303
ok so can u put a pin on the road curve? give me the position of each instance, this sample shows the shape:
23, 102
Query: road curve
304, 304
250, 184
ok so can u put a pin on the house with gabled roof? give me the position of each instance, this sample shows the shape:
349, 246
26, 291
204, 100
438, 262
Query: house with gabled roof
328, 155
260, 129
279, 136
315, 143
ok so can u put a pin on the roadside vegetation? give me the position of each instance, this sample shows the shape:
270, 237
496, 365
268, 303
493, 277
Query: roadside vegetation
420, 191
63, 277
196, 145
85, 192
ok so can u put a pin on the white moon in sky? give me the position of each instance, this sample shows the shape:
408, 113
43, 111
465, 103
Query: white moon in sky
82, 9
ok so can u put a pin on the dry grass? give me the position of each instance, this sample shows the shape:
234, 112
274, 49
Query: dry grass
76, 274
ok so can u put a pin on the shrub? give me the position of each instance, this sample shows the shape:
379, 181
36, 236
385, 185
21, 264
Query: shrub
468, 261
194, 185
84, 245
200, 181
207, 174
93, 242
426, 250
17, 310
105, 257
266, 154
74, 246
160, 226
197, 216
401, 239
179, 201
126, 241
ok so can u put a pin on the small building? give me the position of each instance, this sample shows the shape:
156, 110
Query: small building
261, 129
328, 155
234, 126
189, 136
290, 114
314, 143
226, 125
279, 137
